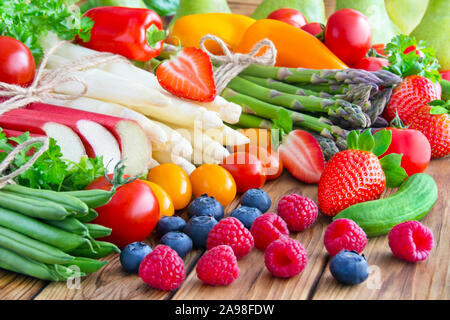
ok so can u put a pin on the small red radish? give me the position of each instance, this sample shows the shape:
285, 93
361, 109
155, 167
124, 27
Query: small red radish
132, 140
313, 28
71, 145
96, 139
302, 156
291, 16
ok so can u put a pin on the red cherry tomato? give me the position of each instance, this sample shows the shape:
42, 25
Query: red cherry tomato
379, 48
348, 34
414, 146
16, 62
313, 28
247, 170
371, 63
132, 213
290, 16
445, 75
417, 52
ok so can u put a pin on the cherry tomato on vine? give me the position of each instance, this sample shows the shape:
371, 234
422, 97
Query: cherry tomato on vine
371, 63
348, 35
291, 16
313, 28
166, 207
174, 181
17, 64
132, 213
247, 170
413, 145
215, 181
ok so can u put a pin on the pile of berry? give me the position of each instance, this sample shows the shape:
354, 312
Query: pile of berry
229, 239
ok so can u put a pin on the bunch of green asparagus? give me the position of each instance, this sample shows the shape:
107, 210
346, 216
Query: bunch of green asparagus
328, 103
46, 235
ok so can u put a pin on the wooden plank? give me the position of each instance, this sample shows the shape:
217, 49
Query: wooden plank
255, 282
429, 279
14, 286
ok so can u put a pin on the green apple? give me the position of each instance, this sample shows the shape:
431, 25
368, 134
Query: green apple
383, 29
406, 14
435, 29
188, 7
313, 10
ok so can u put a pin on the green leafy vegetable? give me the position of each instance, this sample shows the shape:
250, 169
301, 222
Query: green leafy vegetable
163, 7
51, 171
411, 63
28, 20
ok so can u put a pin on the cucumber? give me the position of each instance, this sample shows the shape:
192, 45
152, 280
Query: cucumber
413, 200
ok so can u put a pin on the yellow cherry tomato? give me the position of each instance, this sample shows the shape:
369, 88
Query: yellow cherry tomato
174, 181
215, 181
166, 207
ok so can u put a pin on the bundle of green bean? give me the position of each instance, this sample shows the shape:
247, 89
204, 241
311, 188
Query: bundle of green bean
43, 233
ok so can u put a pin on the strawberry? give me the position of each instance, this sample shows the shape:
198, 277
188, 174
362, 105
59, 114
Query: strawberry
409, 95
356, 175
188, 75
301, 155
434, 122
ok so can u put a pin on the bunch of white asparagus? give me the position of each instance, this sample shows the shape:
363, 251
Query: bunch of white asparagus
184, 132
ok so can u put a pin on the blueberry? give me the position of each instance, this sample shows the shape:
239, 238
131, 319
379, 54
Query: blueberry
348, 267
246, 215
178, 241
256, 198
198, 229
167, 224
132, 255
206, 206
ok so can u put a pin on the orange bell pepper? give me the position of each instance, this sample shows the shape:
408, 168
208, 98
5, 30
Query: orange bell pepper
188, 30
295, 48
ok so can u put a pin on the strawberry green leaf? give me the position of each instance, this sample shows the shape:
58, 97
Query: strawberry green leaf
395, 174
382, 140
352, 139
366, 141
284, 121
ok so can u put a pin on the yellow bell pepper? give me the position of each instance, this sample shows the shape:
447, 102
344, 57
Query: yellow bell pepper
188, 30
295, 48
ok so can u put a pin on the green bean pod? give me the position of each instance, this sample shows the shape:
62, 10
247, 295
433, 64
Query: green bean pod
14, 262
31, 248
70, 203
97, 231
92, 214
65, 273
40, 231
102, 249
92, 198
87, 265
70, 224
41, 209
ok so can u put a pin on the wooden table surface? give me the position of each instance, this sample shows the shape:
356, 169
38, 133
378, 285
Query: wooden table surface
390, 277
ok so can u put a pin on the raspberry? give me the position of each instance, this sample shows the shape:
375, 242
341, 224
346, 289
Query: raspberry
230, 231
162, 269
344, 234
411, 241
285, 257
267, 228
298, 211
218, 266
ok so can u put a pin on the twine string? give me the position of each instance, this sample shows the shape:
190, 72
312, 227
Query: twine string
233, 63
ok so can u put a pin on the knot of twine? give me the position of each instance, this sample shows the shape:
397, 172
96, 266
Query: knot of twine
4, 180
46, 80
234, 63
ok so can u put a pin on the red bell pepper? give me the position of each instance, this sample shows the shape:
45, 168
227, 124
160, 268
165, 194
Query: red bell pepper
134, 33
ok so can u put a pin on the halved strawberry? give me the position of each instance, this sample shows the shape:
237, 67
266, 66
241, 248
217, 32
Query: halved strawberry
188, 75
301, 156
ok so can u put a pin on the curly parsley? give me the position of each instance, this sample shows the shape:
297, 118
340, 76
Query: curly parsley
28, 20
51, 171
